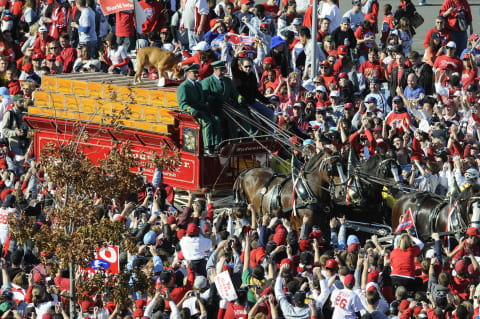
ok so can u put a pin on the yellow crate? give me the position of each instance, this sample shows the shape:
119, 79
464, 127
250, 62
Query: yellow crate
157, 98
32, 110
129, 124
64, 86
144, 125
84, 116
136, 112
95, 89
126, 93
142, 96
110, 91
88, 105
49, 83
117, 106
104, 107
171, 99
79, 87
42, 99
165, 117
57, 101
150, 113
160, 128
72, 103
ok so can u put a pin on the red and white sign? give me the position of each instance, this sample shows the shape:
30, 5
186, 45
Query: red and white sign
225, 286
110, 255
114, 6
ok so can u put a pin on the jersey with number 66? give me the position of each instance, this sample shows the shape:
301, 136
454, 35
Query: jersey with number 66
345, 303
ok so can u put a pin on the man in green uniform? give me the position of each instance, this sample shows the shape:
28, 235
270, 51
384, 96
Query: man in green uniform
218, 89
191, 99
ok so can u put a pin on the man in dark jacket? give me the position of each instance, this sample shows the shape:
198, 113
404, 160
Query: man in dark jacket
73, 16
423, 71
245, 82
399, 73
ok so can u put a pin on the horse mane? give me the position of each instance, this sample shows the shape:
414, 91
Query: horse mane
311, 164
371, 165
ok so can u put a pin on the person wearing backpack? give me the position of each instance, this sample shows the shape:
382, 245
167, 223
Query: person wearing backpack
458, 18
14, 128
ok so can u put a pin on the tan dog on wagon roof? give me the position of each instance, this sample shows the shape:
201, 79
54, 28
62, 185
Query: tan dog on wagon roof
165, 62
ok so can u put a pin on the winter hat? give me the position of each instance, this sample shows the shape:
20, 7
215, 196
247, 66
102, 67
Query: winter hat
352, 239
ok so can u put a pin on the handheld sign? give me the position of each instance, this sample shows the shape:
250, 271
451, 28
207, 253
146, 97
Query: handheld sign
98, 264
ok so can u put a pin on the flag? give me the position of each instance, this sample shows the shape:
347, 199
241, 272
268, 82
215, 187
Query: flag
406, 222
113, 6
140, 16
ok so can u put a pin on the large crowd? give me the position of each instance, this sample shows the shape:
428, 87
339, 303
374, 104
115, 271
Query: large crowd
366, 89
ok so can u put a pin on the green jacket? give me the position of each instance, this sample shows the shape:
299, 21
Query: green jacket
213, 91
190, 98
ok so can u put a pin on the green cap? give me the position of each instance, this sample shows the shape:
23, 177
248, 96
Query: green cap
193, 67
4, 307
218, 64
18, 97
328, 38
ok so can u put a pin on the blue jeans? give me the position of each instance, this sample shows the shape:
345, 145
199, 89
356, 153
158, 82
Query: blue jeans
460, 38
193, 39
265, 111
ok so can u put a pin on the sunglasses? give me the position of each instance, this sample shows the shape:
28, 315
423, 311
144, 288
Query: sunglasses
53, 47
247, 66
324, 67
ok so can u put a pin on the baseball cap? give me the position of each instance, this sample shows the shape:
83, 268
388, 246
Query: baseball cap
473, 231
460, 266
37, 56
268, 60
345, 20
321, 88
297, 21
342, 50
51, 57
348, 106
43, 29
200, 282
192, 229
451, 44
331, 264
474, 36
371, 99
342, 75
397, 99
334, 94
349, 280
164, 30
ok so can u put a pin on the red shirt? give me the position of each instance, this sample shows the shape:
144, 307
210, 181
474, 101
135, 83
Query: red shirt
468, 77
459, 287
205, 68
40, 46
361, 34
271, 11
125, 24
443, 61
233, 311
371, 70
68, 57
458, 5
402, 262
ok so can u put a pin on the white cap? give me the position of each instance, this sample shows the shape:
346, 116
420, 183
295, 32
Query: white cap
321, 88
451, 44
201, 46
334, 94
43, 29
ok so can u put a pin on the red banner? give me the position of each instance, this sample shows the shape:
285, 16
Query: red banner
113, 6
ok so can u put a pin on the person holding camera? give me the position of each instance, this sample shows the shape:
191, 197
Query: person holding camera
14, 128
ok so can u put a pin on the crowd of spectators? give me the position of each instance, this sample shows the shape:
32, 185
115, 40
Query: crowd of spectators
372, 92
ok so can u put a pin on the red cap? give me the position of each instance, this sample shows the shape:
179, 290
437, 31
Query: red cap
245, 1
349, 280
51, 57
449, 102
461, 266
287, 261
264, 25
473, 231
171, 220
316, 234
342, 50
27, 67
343, 75
331, 264
353, 247
294, 140
280, 236
269, 60
164, 30
403, 305
181, 233
348, 106
473, 37
324, 62
180, 255
192, 229
373, 276
37, 56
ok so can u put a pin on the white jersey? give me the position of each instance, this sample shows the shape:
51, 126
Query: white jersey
4, 212
346, 303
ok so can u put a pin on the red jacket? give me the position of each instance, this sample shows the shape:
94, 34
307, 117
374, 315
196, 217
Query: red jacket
205, 68
459, 287
402, 262
177, 293
125, 24
68, 57
354, 140
458, 5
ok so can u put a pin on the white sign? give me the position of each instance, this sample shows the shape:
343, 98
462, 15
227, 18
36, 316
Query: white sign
225, 286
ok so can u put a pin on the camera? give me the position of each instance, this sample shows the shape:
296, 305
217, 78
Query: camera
150, 192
